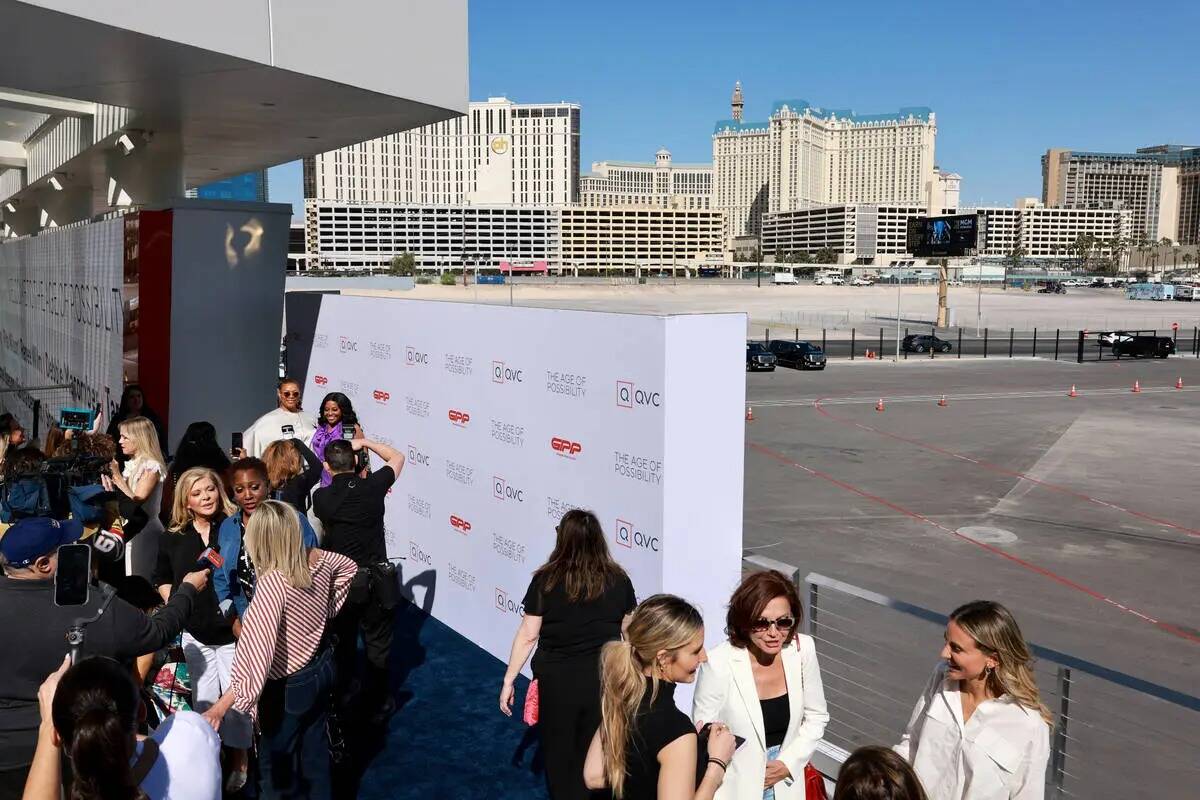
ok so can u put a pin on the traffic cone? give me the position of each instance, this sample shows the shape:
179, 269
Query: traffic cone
749, 414
1072, 393
1137, 387
879, 405
943, 402
1179, 383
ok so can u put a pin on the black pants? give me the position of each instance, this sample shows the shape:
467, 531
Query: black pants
12, 782
568, 716
375, 624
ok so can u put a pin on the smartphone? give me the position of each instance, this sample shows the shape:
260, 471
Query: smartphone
235, 443
738, 741
74, 575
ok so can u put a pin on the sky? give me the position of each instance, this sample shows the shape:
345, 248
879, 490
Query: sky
1006, 81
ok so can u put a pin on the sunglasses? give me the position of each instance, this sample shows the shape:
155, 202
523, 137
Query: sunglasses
782, 623
290, 394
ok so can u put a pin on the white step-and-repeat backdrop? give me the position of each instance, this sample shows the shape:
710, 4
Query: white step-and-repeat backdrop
510, 416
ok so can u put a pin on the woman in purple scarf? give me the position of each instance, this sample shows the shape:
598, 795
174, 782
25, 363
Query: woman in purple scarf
336, 412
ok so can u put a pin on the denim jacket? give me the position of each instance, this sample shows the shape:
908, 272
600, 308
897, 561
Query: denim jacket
224, 578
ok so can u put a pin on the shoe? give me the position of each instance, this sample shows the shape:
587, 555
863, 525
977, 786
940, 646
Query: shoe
381, 715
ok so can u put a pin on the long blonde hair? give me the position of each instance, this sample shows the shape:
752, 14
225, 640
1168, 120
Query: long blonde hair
661, 622
145, 437
181, 515
275, 544
995, 630
283, 462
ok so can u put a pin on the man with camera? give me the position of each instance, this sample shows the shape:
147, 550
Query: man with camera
351, 510
37, 627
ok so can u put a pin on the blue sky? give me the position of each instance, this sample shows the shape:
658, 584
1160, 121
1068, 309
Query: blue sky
1007, 81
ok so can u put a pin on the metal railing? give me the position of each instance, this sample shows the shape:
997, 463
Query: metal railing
35, 406
1115, 735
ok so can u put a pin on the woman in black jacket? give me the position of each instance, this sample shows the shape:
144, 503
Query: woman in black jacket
292, 471
133, 404
197, 448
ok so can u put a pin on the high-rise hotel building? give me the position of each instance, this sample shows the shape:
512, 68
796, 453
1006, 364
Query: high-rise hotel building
804, 156
663, 184
499, 153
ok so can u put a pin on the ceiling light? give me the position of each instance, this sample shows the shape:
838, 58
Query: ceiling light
125, 143
56, 183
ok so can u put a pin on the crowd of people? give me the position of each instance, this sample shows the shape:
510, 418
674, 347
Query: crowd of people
222, 641
217, 651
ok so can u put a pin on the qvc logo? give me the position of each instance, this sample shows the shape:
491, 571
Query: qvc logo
502, 490
381, 396
347, 345
503, 374
629, 536
415, 456
320, 380
459, 418
415, 553
565, 447
629, 396
414, 357
459, 524
503, 603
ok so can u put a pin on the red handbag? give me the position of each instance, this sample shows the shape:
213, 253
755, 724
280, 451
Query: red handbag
814, 783
530, 713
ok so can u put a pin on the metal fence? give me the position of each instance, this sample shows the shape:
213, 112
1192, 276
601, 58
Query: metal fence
35, 407
1114, 736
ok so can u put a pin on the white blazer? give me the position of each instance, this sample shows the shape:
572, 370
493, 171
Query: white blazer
725, 692
1000, 753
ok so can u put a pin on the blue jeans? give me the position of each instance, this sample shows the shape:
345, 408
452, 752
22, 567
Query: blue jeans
294, 757
772, 755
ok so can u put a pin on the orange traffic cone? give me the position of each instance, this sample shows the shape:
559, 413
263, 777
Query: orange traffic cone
749, 414
879, 405
1137, 387
1179, 383
943, 402
1072, 393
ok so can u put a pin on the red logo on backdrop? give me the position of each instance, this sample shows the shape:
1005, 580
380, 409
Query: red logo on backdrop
460, 418
459, 524
381, 396
320, 380
565, 447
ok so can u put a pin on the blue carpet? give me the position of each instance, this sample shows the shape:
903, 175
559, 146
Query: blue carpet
448, 738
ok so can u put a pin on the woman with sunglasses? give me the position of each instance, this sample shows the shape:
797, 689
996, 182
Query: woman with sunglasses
764, 683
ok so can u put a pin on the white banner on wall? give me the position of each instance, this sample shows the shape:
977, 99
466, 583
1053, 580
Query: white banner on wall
509, 417
61, 316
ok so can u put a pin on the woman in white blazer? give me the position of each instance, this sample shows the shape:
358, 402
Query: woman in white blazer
765, 685
979, 730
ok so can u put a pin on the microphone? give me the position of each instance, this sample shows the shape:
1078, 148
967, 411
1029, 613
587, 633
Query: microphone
209, 559
110, 543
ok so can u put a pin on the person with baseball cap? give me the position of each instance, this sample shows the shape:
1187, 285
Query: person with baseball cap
29, 558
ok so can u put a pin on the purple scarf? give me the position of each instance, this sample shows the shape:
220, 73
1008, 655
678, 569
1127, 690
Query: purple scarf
323, 435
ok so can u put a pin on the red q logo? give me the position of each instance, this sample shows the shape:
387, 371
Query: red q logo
459, 524
381, 396
460, 418
320, 380
565, 447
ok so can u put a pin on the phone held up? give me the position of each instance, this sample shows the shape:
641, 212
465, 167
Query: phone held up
235, 443
73, 577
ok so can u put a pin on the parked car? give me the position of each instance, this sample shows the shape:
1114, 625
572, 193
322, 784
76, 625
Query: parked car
862, 282
923, 343
799, 355
758, 357
1052, 288
1112, 337
1145, 347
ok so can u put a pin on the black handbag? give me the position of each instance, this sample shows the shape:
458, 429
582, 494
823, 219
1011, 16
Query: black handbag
383, 585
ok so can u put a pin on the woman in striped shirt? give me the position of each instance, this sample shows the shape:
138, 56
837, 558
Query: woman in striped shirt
283, 670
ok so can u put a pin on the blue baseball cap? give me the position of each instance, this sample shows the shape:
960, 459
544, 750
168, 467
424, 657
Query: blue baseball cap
33, 537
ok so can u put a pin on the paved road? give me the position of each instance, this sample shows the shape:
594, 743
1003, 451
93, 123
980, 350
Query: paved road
996, 344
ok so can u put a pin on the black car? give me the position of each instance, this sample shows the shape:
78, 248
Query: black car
1144, 346
758, 357
1052, 288
923, 343
800, 355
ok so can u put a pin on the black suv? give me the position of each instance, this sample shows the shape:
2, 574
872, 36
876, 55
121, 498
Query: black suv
923, 343
759, 357
800, 355
1144, 346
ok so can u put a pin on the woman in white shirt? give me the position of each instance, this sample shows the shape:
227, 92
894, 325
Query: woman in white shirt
141, 481
979, 730
764, 683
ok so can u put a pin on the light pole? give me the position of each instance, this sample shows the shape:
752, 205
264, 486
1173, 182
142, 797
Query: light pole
979, 301
758, 268
899, 285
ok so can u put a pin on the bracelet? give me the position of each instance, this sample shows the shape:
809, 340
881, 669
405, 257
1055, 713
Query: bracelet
718, 762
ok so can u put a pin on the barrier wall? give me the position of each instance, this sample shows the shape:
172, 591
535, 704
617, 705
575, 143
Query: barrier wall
510, 416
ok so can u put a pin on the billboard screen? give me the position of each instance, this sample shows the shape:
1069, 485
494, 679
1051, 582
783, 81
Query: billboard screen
933, 237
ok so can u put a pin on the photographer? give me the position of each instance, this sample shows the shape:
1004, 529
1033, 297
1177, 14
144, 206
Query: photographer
351, 509
29, 554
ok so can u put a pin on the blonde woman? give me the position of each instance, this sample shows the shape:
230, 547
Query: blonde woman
284, 669
140, 481
199, 508
645, 747
980, 730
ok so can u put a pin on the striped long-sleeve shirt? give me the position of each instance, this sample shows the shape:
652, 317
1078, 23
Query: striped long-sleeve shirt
284, 625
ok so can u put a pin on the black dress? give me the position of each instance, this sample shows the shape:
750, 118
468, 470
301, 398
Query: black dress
656, 724
567, 666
